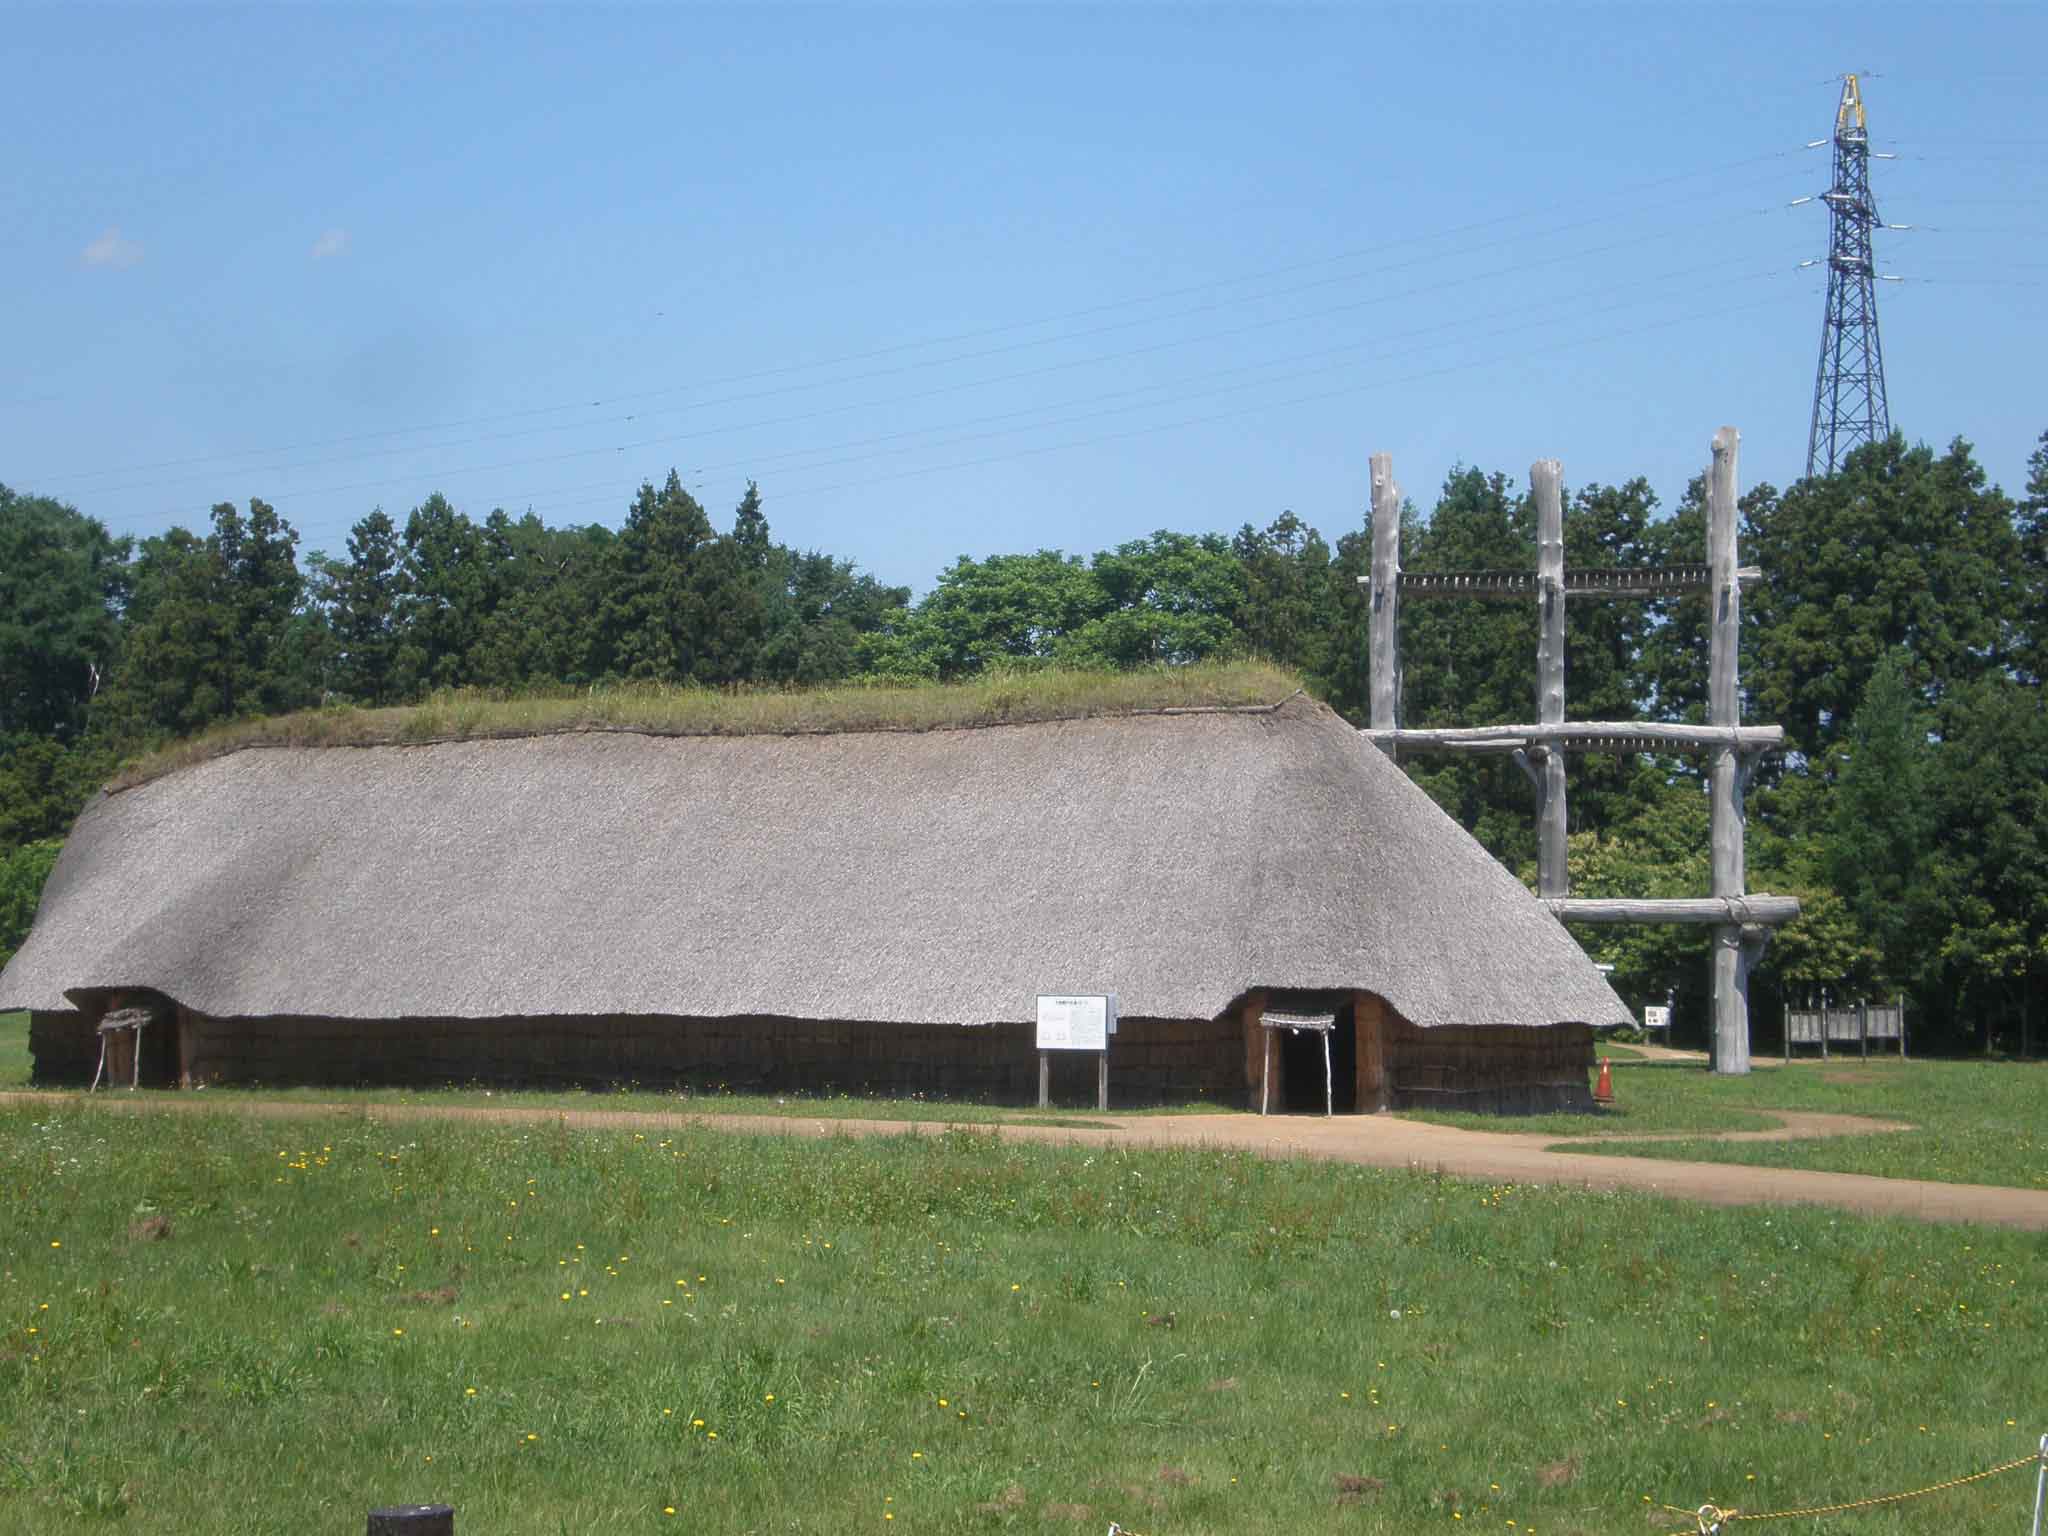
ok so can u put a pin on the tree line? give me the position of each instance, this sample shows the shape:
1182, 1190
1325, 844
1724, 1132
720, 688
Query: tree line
1899, 636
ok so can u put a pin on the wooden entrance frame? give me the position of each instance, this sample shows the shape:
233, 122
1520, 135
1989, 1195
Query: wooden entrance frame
1741, 921
130, 1022
1324, 1024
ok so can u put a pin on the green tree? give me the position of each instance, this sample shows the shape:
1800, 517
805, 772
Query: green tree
1988, 869
258, 568
1606, 528
1167, 600
1882, 820
827, 609
1899, 550
1014, 608
1340, 678
750, 529
2030, 653
439, 601
365, 611
178, 663
1287, 610
62, 581
542, 602
44, 782
1473, 663
1656, 849
23, 872
653, 616
211, 629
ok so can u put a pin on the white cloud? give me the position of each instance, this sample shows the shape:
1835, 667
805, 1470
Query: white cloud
110, 250
333, 243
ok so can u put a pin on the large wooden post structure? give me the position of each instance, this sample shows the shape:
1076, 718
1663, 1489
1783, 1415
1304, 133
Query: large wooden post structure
1386, 594
1735, 944
1545, 764
1740, 920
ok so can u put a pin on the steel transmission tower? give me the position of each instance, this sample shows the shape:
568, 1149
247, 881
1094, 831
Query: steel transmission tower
1848, 391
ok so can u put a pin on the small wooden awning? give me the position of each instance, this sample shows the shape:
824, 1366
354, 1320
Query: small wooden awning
1322, 1024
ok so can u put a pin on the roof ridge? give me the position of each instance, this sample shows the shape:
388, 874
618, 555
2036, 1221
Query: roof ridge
602, 728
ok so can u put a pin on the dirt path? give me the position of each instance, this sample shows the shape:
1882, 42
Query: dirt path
1793, 1125
1648, 1052
1380, 1141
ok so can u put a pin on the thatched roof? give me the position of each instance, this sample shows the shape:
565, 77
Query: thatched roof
944, 876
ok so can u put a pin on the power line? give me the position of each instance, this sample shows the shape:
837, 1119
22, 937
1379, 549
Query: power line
700, 405
985, 331
1604, 293
786, 494
1490, 276
1199, 421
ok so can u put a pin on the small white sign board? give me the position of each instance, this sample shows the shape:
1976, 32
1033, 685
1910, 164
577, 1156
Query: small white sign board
1070, 1023
1656, 1018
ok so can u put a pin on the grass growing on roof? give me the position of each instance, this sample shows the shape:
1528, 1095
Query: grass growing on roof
1003, 697
214, 1324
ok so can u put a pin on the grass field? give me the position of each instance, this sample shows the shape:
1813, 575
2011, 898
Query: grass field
218, 1325
1980, 1122
784, 1106
1977, 1122
14, 1063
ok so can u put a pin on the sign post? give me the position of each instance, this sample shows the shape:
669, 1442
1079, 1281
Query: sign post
1075, 1022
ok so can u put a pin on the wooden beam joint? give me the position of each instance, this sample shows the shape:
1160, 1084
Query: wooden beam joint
1738, 913
1621, 581
1622, 736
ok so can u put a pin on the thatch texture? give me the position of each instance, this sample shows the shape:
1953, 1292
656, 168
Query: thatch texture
943, 877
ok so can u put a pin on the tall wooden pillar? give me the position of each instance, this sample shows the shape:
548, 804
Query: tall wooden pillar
1546, 765
1252, 1012
1375, 1079
1386, 595
1731, 958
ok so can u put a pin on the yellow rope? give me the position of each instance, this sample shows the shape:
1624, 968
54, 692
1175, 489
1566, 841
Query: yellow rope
1711, 1518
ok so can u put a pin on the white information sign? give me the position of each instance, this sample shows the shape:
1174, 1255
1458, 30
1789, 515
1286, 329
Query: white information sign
1069, 1023
1656, 1018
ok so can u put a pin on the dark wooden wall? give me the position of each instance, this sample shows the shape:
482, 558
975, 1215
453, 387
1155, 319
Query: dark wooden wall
1152, 1061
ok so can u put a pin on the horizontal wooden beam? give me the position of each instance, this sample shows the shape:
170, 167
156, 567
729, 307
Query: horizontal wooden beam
1738, 910
1621, 736
1648, 582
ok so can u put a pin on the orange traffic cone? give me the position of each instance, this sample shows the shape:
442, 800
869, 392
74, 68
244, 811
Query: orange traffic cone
1603, 1091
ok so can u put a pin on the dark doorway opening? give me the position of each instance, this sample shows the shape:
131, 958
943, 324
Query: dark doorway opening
1300, 1053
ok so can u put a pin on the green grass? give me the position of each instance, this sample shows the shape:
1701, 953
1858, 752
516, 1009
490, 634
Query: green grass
1978, 1122
1676, 1098
212, 1324
652, 1101
14, 1058
996, 698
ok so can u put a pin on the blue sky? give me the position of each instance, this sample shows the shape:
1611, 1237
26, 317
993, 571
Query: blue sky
964, 280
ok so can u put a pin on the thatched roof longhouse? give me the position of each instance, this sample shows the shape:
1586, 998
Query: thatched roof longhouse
945, 876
